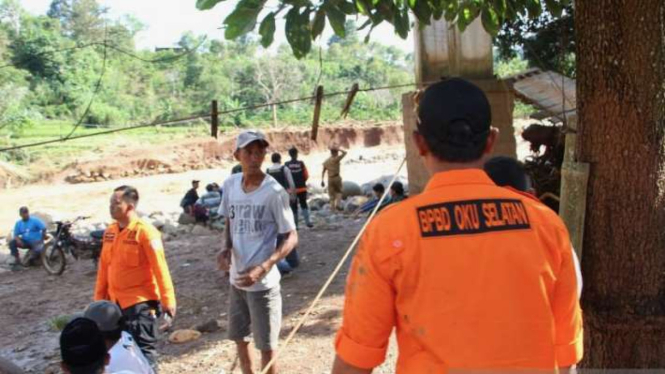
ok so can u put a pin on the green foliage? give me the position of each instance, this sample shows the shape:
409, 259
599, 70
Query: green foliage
305, 15
206, 4
50, 76
243, 19
58, 323
506, 68
267, 30
546, 41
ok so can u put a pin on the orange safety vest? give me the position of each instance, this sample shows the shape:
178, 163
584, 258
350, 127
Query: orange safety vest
132, 267
471, 276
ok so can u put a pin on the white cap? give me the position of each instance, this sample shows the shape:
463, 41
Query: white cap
249, 136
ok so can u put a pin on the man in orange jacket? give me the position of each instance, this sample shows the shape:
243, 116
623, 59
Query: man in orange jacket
133, 271
469, 274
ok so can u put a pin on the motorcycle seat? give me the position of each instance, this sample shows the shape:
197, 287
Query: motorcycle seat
97, 234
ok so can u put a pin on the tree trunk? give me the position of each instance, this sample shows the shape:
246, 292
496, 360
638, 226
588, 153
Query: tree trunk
621, 106
274, 115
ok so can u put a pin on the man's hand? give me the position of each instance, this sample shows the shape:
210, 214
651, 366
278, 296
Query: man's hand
224, 259
251, 276
170, 310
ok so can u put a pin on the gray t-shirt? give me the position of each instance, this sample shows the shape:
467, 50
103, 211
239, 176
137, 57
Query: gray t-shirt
256, 220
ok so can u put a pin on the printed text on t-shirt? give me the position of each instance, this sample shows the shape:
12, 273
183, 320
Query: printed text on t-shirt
247, 218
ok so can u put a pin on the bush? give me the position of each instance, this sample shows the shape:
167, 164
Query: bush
58, 323
105, 115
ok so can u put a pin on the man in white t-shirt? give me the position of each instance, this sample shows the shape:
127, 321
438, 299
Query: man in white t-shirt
257, 210
125, 354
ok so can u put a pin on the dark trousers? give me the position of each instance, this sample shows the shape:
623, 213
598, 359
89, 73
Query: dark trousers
141, 322
292, 260
301, 199
37, 246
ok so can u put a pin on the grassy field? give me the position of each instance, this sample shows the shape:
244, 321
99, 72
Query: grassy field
63, 152
56, 155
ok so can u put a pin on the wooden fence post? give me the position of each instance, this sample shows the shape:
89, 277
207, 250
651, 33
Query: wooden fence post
214, 119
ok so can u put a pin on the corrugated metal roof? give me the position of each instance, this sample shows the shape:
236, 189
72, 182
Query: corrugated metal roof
551, 92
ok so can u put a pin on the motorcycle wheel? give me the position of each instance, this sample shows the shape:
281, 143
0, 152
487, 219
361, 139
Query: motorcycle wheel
53, 259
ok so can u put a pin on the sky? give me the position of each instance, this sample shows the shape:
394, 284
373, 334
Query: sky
167, 20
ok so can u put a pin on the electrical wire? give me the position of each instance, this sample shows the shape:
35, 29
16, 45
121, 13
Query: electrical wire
205, 115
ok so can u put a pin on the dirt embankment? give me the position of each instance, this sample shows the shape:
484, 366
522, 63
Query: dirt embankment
208, 153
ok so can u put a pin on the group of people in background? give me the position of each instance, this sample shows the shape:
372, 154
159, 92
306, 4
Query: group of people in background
203, 207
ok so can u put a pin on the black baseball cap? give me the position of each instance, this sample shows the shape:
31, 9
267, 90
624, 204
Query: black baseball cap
455, 112
82, 344
105, 314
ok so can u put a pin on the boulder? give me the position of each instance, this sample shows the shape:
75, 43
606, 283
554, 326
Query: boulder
46, 218
218, 224
186, 219
169, 229
156, 214
202, 231
183, 336
185, 229
209, 326
316, 203
353, 203
5, 257
158, 223
350, 189
315, 189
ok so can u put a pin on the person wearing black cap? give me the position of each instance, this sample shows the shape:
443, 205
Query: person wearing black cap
469, 274
190, 198
82, 348
125, 353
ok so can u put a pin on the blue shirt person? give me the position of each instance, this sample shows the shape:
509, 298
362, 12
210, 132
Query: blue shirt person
29, 232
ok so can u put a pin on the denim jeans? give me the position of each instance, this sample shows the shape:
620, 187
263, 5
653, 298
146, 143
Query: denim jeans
37, 246
290, 262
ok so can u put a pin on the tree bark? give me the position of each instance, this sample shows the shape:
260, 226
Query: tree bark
621, 107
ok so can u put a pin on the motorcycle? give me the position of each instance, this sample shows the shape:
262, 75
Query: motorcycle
62, 241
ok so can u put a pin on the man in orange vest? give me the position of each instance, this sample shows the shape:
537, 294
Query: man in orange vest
471, 275
133, 271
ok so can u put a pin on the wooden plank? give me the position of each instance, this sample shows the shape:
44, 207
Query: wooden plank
317, 112
572, 209
574, 181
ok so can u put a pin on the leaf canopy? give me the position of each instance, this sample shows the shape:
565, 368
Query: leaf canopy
305, 19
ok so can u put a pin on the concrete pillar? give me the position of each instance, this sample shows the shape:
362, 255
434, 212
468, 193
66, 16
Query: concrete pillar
442, 51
